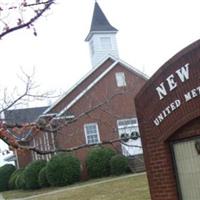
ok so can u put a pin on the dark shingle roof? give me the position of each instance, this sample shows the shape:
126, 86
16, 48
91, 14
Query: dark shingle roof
100, 22
26, 115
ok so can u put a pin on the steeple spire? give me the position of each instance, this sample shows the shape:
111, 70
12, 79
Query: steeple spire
101, 36
99, 22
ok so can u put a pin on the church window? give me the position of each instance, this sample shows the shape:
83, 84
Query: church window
129, 128
91, 133
120, 79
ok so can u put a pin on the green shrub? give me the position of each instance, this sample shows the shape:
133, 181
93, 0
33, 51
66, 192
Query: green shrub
13, 177
98, 162
42, 178
31, 173
5, 173
20, 182
63, 169
118, 164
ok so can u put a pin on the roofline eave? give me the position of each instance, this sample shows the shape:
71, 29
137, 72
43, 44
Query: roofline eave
91, 33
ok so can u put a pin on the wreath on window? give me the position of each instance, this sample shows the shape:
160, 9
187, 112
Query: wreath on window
135, 135
125, 137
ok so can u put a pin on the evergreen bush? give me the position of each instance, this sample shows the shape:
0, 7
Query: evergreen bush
42, 178
98, 162
13, 177
20, 182
5, 173
31, 173
63, 169
118, 164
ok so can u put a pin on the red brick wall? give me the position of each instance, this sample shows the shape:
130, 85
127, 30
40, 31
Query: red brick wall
120, 105
159, 164
181, 123
24, 158
81, 86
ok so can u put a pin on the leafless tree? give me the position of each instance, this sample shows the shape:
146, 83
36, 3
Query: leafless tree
14, 99
16, 15
30, 91
19, 14
54, 125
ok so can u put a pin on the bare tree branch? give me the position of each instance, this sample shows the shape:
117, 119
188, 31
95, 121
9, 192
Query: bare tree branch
43, 152
29, 93
21, 24
54, 124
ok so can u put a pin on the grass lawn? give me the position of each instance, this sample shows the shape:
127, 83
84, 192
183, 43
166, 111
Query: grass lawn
123, 188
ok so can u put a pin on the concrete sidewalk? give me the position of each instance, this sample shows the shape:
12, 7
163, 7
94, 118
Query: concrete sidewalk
1, 197
81, 186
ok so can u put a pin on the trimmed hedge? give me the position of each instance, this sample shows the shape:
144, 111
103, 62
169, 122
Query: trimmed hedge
13, 177
118, 164
5, 173
31, 173
98, 162
63, 169
42, 178
20, 182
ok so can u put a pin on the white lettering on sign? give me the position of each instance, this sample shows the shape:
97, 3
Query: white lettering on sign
172, 84
182, 74
167, 111
192, 94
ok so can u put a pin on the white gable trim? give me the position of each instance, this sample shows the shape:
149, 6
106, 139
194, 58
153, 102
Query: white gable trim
64, 117
97, 80
133, 69
126, 65
78, 83
87, 88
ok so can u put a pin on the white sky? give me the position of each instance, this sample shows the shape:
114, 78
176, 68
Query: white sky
150, 32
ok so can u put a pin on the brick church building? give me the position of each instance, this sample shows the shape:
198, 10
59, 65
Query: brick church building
100, 106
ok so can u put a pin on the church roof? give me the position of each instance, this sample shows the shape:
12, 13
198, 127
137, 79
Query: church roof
21, 116
26, 115
99, 22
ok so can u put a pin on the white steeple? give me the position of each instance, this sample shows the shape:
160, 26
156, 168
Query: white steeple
101, 37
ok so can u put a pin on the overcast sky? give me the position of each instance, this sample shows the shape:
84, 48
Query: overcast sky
150, 32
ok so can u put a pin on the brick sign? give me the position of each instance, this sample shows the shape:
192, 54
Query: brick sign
168, 110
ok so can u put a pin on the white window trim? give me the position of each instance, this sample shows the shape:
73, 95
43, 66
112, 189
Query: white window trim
97, 128
47, 145
132, 118
127, 151
127, 126
35, 145
41, 147
120, 79
53, 141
